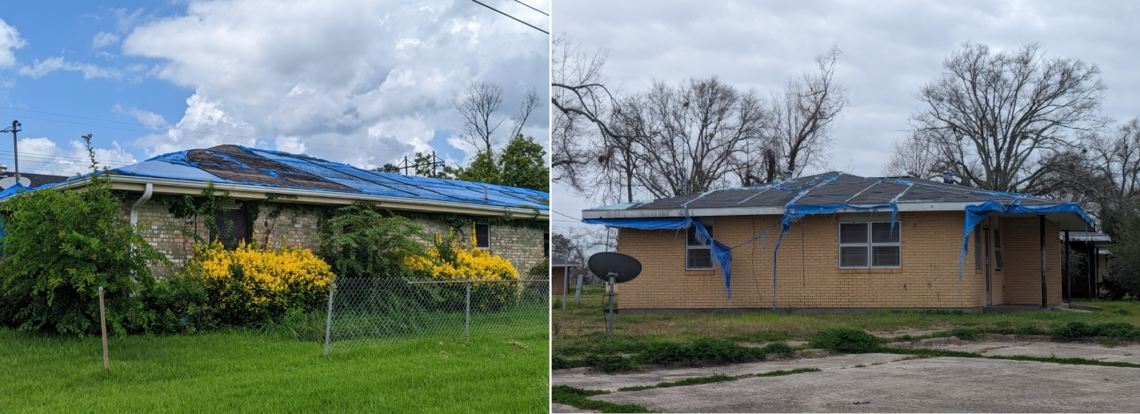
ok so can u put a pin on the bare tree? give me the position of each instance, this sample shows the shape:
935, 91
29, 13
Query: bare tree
913, 157
690, 135
995, 116
803, 113
580, 132
1104, 172
480, 106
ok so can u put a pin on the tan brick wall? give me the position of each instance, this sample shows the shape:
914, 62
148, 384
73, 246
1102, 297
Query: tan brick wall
1022, 246
808, 273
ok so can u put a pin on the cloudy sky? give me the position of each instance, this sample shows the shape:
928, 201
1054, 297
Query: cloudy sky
358, 81
890, 49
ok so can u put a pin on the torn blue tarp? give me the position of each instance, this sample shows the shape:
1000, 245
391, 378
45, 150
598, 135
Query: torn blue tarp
13, 190
978, 212
234, 164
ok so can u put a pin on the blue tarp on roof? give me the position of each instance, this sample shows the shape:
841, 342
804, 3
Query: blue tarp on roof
803, 204
233, 164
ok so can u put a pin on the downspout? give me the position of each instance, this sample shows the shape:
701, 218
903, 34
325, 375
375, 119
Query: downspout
138, 203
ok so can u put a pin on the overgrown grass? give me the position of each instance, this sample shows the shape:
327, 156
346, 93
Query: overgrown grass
576, 397
927, 352
253, 372
687, 381
705, 351
777, 373
580, 329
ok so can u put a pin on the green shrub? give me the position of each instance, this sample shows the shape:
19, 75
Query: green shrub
965, 334
1072, 331
664, 353
61, 245
847, 341
611, 363
363, 240
722, 352
779, 348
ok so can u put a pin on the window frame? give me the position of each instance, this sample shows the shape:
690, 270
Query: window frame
230, 241
979, 258
999, 258
482, 242
690, 234
869, 244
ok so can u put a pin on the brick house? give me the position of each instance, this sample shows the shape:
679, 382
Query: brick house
836, 241
292, 191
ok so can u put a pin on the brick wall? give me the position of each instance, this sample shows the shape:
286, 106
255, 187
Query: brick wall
298, 227
1022, 246
808, 273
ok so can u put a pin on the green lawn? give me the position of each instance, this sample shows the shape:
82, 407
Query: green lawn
580, 329
252, 372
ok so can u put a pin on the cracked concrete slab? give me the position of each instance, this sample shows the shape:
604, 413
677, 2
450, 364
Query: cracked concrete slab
1129, 353
585, 378
563, 408
917, 385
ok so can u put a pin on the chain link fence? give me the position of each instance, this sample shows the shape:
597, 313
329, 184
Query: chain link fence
364, 311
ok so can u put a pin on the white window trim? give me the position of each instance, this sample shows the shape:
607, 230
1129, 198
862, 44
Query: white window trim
869, 244
708, 247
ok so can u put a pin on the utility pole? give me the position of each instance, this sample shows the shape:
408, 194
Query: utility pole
15, 152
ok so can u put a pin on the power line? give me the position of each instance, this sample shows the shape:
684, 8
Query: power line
513, 17
532, 8
567, 216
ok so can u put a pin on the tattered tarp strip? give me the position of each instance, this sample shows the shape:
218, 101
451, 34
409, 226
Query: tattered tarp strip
976, 213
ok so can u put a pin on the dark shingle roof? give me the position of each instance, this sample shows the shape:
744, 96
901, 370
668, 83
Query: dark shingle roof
832, 188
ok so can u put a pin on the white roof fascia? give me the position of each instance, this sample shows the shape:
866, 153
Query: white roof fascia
756, 211
476, 209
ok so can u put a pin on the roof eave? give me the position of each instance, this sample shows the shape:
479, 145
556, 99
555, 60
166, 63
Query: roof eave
252, 192
1067, 221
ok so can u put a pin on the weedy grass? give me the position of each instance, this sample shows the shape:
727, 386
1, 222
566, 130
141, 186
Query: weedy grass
576, 397
250, 371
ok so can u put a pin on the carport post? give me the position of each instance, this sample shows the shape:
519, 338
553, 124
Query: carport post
1068, 275
1044, 297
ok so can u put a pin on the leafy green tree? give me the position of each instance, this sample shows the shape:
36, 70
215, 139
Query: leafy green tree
523, 164
61, 245
483, 169
362, 241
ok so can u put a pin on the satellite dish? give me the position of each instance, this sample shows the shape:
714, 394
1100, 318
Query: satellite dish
11, 181
621, 267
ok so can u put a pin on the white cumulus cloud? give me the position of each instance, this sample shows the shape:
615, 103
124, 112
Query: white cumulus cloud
40, 68
9, 41
42, 156
356, 81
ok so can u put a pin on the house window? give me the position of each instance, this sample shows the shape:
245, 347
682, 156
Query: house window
233, 227
999, 261
483, 236
698, 256
978, 247
869, 244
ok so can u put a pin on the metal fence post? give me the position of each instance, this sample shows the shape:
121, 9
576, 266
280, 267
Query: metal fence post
578, 289
328, 320
103, 322
467, 327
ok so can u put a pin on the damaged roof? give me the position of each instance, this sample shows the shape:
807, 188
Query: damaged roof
251, 167
830, 189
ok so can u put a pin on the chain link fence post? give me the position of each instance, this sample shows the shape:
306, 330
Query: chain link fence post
467, 326
328, 320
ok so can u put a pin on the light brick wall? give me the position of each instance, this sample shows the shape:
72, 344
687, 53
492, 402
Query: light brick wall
1022, 246
808, 273
294, 227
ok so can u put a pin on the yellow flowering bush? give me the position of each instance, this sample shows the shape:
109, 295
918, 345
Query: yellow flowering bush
250, 285
446, 260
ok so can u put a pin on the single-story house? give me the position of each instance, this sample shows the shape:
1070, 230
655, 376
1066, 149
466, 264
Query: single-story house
837, 241
290, 191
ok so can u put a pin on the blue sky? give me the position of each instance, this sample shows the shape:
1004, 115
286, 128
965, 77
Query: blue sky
362, 82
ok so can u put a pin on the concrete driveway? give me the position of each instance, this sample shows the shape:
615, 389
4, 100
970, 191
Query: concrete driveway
894, 383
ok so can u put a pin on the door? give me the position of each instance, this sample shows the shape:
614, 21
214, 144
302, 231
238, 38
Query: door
986, 254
